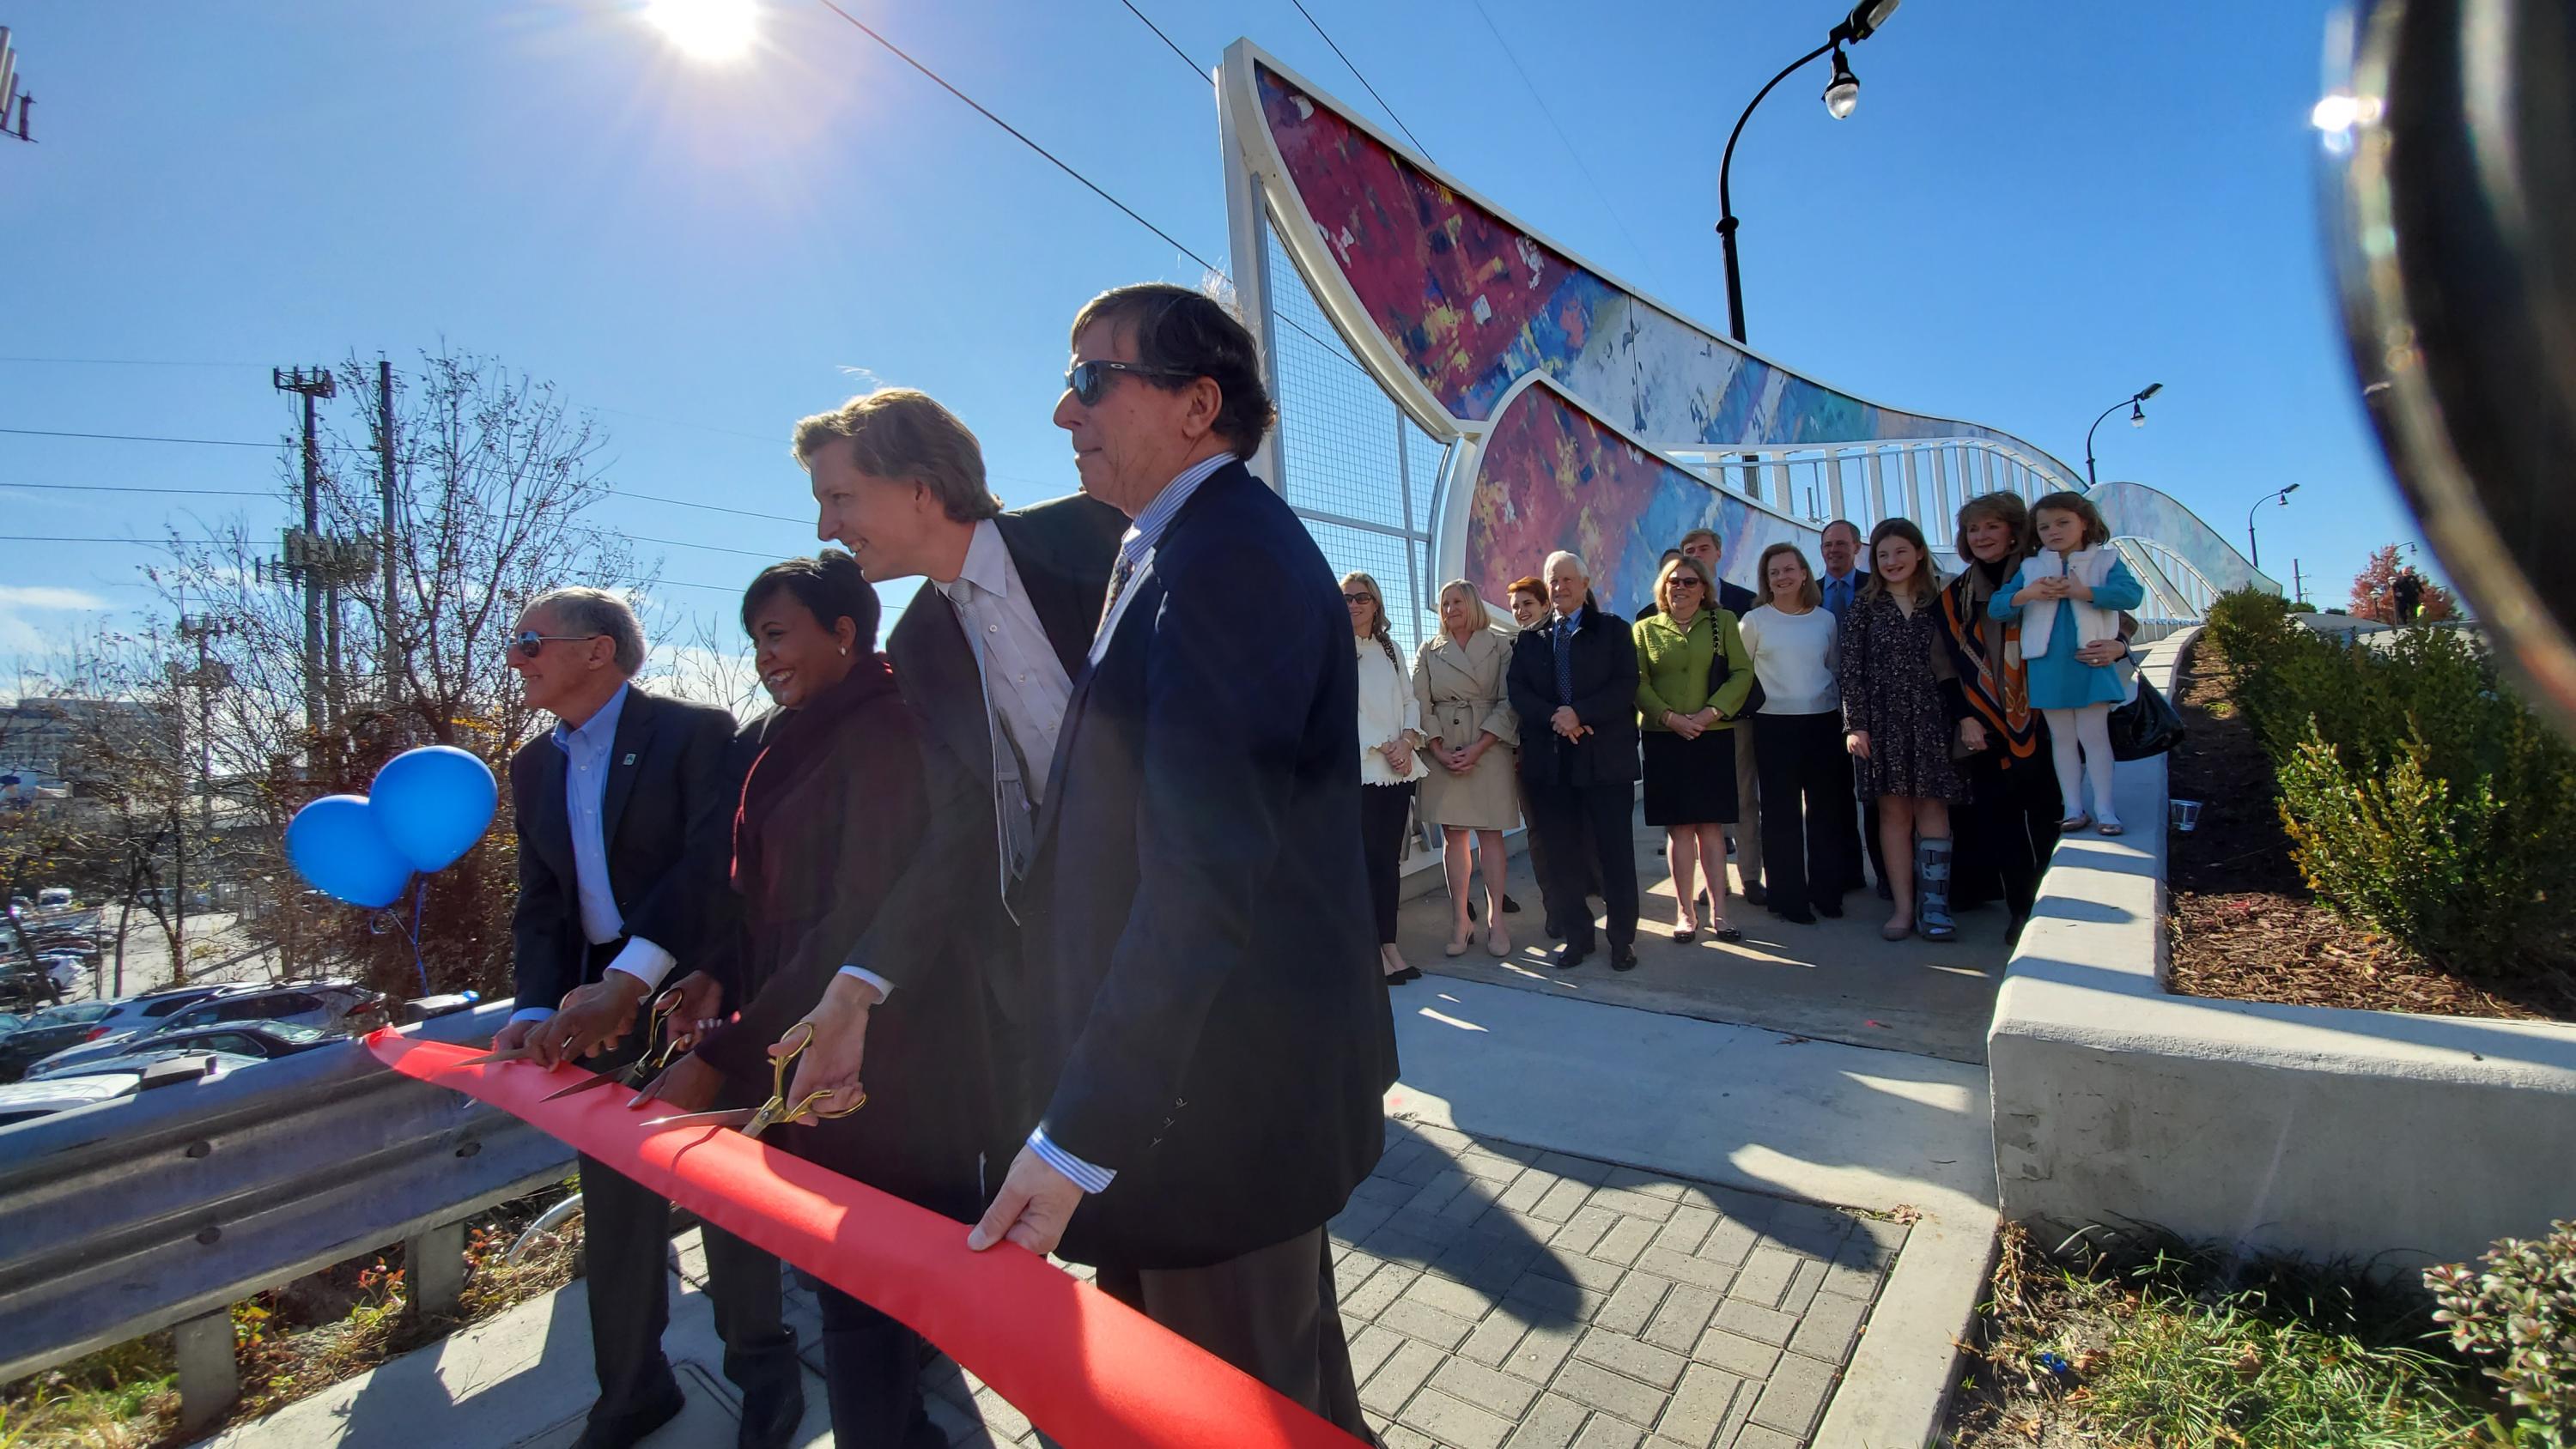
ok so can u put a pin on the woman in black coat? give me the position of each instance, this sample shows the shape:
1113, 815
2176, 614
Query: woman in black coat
831, 801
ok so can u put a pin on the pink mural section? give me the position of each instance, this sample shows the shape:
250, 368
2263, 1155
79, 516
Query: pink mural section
1553, 477
1471, 304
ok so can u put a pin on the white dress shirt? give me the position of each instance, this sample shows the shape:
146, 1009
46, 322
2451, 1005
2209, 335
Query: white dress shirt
586, 767
1025, 692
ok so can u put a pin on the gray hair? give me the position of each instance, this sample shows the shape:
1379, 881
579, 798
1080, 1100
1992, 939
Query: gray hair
1549, 565
579, 610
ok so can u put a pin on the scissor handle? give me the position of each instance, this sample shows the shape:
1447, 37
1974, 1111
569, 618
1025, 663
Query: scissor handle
802, 1034
807, 1111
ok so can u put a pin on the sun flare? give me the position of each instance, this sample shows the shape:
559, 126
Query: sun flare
706, 30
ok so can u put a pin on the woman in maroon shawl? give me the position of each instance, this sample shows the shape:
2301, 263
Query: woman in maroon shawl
831, 803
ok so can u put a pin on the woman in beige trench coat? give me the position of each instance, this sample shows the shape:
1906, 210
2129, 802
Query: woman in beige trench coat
1471, 736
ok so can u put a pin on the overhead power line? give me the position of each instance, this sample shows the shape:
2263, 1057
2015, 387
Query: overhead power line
1195, 69
1017, 134
1568, 142
1363, 80
120, 488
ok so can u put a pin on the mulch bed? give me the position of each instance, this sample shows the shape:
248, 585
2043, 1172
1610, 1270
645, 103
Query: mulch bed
2244, 926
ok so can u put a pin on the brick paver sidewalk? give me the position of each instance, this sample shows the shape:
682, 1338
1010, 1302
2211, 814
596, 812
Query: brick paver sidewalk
1500, 1297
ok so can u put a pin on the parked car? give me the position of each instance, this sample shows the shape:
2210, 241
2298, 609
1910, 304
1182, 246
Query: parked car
47, 1032
53, 898
325, 1004
28, 987
107, 1081
10, 1021
251, 1040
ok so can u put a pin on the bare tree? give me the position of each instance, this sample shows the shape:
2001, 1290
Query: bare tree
494, 478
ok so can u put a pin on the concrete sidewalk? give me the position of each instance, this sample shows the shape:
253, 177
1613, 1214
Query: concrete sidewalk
1834, 980
1593, 1225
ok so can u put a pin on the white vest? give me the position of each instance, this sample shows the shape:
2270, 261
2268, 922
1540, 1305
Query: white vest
2092, 623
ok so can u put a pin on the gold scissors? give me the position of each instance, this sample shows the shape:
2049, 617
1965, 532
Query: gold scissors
659, 1044
752, 1121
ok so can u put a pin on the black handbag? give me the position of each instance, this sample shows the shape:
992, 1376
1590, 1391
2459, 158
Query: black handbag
2145, 725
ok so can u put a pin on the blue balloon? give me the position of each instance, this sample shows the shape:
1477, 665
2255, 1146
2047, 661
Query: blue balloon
334, 843
433, 803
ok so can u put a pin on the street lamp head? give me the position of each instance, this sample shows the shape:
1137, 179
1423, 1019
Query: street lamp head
2150, 390
2286, 492
1842, 93
2137, 414
1865, 19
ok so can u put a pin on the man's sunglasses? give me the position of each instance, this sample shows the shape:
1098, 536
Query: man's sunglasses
1088, 380
530, 643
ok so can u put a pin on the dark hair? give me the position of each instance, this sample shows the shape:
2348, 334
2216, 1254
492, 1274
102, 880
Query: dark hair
1197, 336
830, 587
2096, 532
2006, 508
1844, 523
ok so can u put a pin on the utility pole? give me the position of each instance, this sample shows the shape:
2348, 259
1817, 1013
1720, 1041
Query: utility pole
390, 625
304, 552
2298, 590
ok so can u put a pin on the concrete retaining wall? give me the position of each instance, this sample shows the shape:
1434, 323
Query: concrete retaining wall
2328, 1133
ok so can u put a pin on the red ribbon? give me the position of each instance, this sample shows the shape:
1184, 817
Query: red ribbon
1084, 1367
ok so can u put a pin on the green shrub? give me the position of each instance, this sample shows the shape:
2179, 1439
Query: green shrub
2520, 1313
2404, 852
2422, 796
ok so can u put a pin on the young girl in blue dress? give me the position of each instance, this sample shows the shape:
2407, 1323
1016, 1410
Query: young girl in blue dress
2067, 595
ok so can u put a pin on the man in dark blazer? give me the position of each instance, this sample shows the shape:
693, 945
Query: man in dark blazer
1841, 582
985, 656
1208, 1009
621, 810
1573, 681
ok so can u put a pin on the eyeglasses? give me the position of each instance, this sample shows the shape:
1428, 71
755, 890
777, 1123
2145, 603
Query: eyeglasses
1088, 380
1683, 583
530, 643
1357, 599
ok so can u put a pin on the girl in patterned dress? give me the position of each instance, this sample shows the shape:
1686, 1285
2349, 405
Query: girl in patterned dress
1901, 705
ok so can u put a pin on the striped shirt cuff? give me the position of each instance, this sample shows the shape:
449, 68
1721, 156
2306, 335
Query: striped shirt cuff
1084, 1175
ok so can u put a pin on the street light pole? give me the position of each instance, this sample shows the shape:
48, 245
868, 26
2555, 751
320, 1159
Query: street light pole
2137, 419
1840, 97
2254, 549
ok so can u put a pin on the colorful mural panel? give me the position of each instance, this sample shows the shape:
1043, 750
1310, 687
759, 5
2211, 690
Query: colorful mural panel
1471, 303
1553, 477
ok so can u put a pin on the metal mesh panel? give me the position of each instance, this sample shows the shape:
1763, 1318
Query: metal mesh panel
1351, 464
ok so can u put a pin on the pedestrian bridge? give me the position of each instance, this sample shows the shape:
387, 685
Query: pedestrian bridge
1459, 395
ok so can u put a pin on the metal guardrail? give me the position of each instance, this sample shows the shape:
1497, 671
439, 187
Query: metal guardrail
157, 1209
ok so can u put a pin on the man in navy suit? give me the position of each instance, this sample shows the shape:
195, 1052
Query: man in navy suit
1211, 1031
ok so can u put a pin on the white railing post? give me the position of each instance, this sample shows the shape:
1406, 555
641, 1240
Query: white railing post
1834, 483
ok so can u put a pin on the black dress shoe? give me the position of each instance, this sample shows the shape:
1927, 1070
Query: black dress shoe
1830, 908
1510, 907
1755, 895
1571, 957
625, 1429
771, 1424
1623, 958
1799, 917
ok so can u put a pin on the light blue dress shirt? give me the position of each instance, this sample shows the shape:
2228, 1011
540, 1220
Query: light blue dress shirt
586, 766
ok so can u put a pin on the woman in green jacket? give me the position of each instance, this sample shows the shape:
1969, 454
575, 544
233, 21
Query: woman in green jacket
1693, 678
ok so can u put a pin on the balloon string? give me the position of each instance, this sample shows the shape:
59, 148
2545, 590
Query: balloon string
419, 894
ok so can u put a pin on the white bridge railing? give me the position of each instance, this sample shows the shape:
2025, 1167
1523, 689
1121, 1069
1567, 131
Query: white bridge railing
1924, 479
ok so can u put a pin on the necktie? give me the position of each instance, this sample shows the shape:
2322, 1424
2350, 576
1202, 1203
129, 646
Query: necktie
1118, 578
1563, 635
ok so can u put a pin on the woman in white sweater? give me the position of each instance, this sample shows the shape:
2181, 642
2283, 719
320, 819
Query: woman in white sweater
1390, 732
1798, 739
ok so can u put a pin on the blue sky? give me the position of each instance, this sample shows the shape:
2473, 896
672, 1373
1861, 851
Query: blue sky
2037, 209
